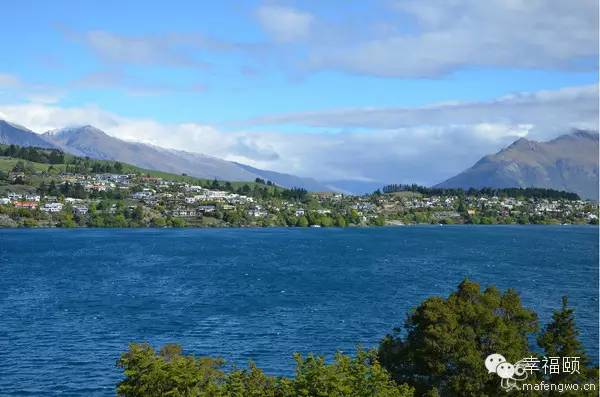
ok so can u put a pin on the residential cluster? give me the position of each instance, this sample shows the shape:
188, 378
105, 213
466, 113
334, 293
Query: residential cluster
411, 207
137, 200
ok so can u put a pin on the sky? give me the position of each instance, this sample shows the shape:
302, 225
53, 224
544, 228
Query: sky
393, 91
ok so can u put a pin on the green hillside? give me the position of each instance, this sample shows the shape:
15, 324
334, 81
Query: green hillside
9, 158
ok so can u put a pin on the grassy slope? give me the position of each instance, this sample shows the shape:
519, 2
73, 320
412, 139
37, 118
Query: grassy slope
8, 163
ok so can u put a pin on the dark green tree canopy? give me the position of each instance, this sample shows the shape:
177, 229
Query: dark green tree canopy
170, 373
446, 341
561, 339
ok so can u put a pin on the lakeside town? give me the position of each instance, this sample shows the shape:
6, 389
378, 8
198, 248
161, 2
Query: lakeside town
59, 191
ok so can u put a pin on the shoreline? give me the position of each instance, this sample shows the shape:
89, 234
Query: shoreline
392, 226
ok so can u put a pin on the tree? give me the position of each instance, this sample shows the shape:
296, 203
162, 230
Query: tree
177, 222
138, 213
119, 221
170, 373
560, 339
361, 376
461, 208
158, 222
19, 166
167, 373
340, 221
118, 167
447, 340
302, 222
379, 220
66, 218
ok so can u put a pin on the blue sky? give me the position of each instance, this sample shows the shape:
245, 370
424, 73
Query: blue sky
193, 75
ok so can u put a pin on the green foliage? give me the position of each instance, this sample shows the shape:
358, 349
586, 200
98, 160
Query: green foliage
560, 339
302, 222
361, 376
177, 222
447, 340
298, 194
37, 155
66, 219
158, 222
170, 373
441, 354
30, 222
379, 220
529, 192
340, 221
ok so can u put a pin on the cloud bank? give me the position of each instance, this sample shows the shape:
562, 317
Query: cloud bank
422, 145
431, 38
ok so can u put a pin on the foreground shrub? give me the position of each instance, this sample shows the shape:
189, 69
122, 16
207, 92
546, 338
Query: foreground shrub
447, 340
170, 373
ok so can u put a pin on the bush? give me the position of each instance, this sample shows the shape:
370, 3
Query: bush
170, 373
447, 340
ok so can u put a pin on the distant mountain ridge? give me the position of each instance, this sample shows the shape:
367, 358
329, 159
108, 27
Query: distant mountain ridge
15, 134
88, 141
569, 162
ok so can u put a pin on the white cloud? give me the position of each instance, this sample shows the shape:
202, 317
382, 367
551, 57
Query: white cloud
173, 50
428, 145
403, 38
285, 24
450, 35
549, 112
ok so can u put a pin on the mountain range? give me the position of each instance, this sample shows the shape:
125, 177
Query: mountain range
569, 162
17, 135
88, 141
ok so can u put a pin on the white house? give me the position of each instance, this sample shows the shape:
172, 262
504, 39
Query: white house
80, 210
52, 207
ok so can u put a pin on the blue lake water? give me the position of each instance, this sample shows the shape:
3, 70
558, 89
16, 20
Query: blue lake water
71, 300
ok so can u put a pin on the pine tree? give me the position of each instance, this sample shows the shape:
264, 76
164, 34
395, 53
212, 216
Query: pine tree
446, 341
561, 339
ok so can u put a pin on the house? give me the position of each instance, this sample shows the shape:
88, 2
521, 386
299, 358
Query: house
4, 201
80, 210
13, 176
52, 207
183, 212
144, 194
26, 204
257, 212
299, 212
71, 200
100, 187
206, 209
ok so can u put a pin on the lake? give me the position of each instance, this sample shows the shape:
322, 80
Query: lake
71, 300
